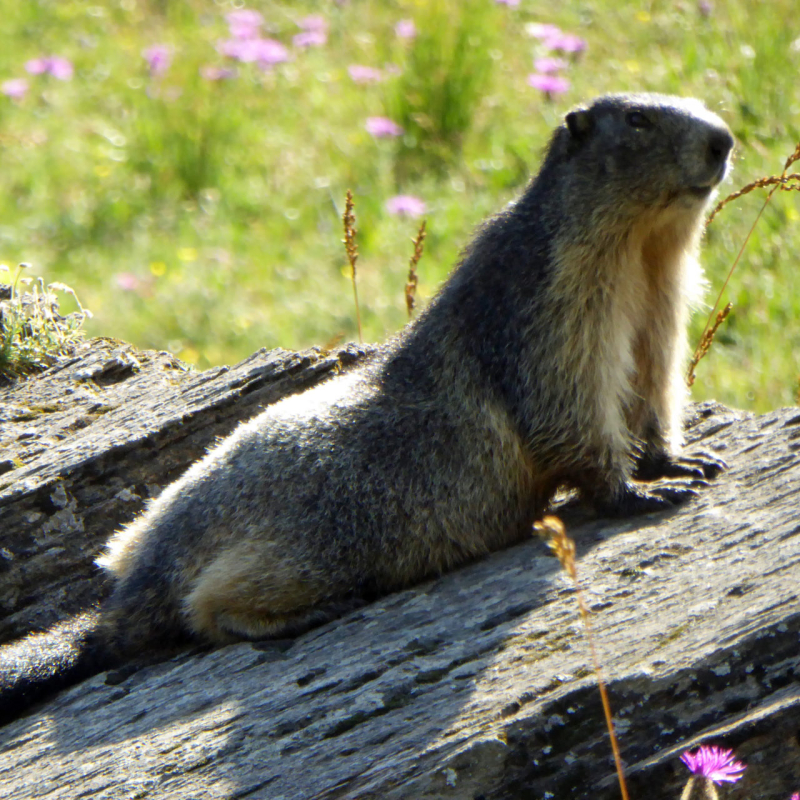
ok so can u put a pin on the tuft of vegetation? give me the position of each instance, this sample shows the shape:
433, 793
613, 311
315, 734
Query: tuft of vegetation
32, 331
448, 69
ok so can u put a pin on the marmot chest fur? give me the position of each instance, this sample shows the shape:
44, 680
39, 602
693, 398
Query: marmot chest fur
551, 357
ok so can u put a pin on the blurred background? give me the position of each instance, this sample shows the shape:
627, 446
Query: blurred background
182, 165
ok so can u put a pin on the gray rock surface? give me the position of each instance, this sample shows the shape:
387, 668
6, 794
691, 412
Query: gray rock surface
475, 685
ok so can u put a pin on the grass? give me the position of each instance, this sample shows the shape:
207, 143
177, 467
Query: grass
32, 331
204, 216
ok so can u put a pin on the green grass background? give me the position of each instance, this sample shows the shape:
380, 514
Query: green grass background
221, 200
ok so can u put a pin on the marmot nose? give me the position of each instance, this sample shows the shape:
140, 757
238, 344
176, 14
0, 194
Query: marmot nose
719, 145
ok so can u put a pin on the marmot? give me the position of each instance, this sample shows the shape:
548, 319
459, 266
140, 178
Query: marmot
552, 356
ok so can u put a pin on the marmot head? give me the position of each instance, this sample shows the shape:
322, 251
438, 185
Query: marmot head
646, 150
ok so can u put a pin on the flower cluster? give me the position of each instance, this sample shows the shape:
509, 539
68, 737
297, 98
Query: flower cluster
158, 57
60, 68
547, 78
406, 205
405, 29
56, 66
314, 32
361, 74
553, 38
246, 43
383, 127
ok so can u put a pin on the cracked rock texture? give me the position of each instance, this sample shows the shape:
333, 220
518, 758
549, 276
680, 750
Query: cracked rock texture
475, 685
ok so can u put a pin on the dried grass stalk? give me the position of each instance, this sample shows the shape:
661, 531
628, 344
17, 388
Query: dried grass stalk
786, 182
411, 285
552, 530
349, 222
705, 342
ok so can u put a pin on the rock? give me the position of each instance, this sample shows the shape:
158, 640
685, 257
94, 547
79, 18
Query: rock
475, 685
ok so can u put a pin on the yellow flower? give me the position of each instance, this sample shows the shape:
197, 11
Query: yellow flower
189, 355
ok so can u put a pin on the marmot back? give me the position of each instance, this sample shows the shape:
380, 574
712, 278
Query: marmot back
551, 357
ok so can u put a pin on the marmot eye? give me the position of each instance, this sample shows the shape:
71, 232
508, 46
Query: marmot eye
638, 120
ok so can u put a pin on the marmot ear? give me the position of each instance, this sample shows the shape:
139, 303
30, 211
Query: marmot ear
579, 122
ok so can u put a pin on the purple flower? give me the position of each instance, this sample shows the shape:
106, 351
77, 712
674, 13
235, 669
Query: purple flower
315, 22
549, 84
240, 49
406, 205
244, 23
795, 796
58, 67
542, 30
383, 127
507, 2
714, 763
265, 51
566, 43
15, 88
211, 72
310, 39
362, 74
158, 58
547, 65
705, 7
405, 29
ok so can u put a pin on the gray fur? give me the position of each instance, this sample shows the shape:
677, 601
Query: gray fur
550, 358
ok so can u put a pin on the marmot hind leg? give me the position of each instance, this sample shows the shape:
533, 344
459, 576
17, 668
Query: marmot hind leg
253, 626
252, 591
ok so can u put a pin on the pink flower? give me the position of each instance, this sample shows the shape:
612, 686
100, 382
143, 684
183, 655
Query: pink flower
383, 127
212, 72
58, 67
315, 22
14, 88
362, 74
549, 84
542, 30
550, 64
714, 763
566, 42
406, 205
507, 2
310, 39
158, 58
795, 796
265, 51
244, 23
127, 281
405, 29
